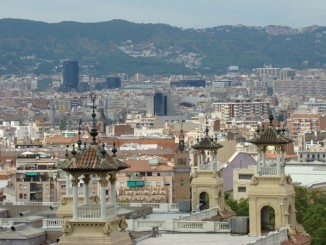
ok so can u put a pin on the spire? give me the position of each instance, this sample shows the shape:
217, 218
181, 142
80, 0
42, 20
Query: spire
73, 152
103, 151
181, 140
79, 142
94, 132
271, 118
206, 130
114, 150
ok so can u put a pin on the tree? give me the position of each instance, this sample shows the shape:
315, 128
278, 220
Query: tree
241, 207
314, 221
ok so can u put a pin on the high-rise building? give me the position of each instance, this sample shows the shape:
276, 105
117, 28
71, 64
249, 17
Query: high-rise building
160, 104
70, 74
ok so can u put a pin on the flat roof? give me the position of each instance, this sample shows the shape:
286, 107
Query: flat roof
199, 238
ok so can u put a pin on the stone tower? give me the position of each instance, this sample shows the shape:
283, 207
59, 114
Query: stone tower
207, 181
181, 181
271, 193
93, 221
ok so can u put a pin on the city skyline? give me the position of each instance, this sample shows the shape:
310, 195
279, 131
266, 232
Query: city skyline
193, 14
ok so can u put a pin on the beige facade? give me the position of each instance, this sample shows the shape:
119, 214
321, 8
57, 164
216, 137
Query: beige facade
181, 179
271, 192
207, 184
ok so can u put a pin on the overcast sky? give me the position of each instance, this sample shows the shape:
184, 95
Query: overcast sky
180, 13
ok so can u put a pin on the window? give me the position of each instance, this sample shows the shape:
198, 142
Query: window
182, 161
241, 189
21, 196
63, 186
181, 182
245, 176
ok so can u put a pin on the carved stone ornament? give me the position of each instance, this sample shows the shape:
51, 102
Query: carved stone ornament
123, 224
63, 201
107, 229
289, 179
254, 181
282, 181
195, 175
66, 228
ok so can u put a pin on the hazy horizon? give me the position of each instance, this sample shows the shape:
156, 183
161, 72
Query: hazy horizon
179, 13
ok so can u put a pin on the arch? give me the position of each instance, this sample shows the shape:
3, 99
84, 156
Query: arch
267, 219
203, 200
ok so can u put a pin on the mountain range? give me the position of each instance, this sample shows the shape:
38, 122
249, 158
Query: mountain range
118, 46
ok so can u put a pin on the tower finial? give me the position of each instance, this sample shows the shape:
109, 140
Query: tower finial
181, 140
79, 142
206, 130
114, 150
271, 118
103, 151
93, 132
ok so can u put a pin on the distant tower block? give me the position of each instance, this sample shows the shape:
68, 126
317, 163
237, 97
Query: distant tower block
207, 183
271, 193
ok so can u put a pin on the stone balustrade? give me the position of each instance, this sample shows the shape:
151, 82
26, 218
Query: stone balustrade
205, 214
274, 237
208, 166
157, 207
268, 170
179, 226
52, 224
31, 203
93, 211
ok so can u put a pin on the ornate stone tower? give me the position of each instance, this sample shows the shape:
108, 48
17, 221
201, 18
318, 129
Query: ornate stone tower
207, 183
271, 193
181, 181
93, 221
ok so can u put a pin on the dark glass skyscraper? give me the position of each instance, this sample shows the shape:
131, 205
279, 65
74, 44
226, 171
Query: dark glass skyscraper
70, 74
160, 104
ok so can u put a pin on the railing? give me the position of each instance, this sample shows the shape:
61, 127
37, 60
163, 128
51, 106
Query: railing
52, 224
168, 225
31, 203
272, 170
93, 211
208, 166
268, 170
205, 214
275, 237
6, 222
179, 226
157, 207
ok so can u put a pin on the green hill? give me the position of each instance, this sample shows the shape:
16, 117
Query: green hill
120, 46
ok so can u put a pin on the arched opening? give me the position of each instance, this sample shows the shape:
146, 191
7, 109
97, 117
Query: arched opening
203, 201
267, 217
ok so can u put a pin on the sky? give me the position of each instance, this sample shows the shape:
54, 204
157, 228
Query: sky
179, 13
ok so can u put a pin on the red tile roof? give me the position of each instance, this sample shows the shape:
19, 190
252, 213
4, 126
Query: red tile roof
92, 160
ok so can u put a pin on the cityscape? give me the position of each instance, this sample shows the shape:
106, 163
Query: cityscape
167, 144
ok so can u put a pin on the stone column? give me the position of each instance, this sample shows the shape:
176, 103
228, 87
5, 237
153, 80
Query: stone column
278, 161
263, 155
104, 183
86, 180
259, 160
75, 182
113, 180
67, 184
